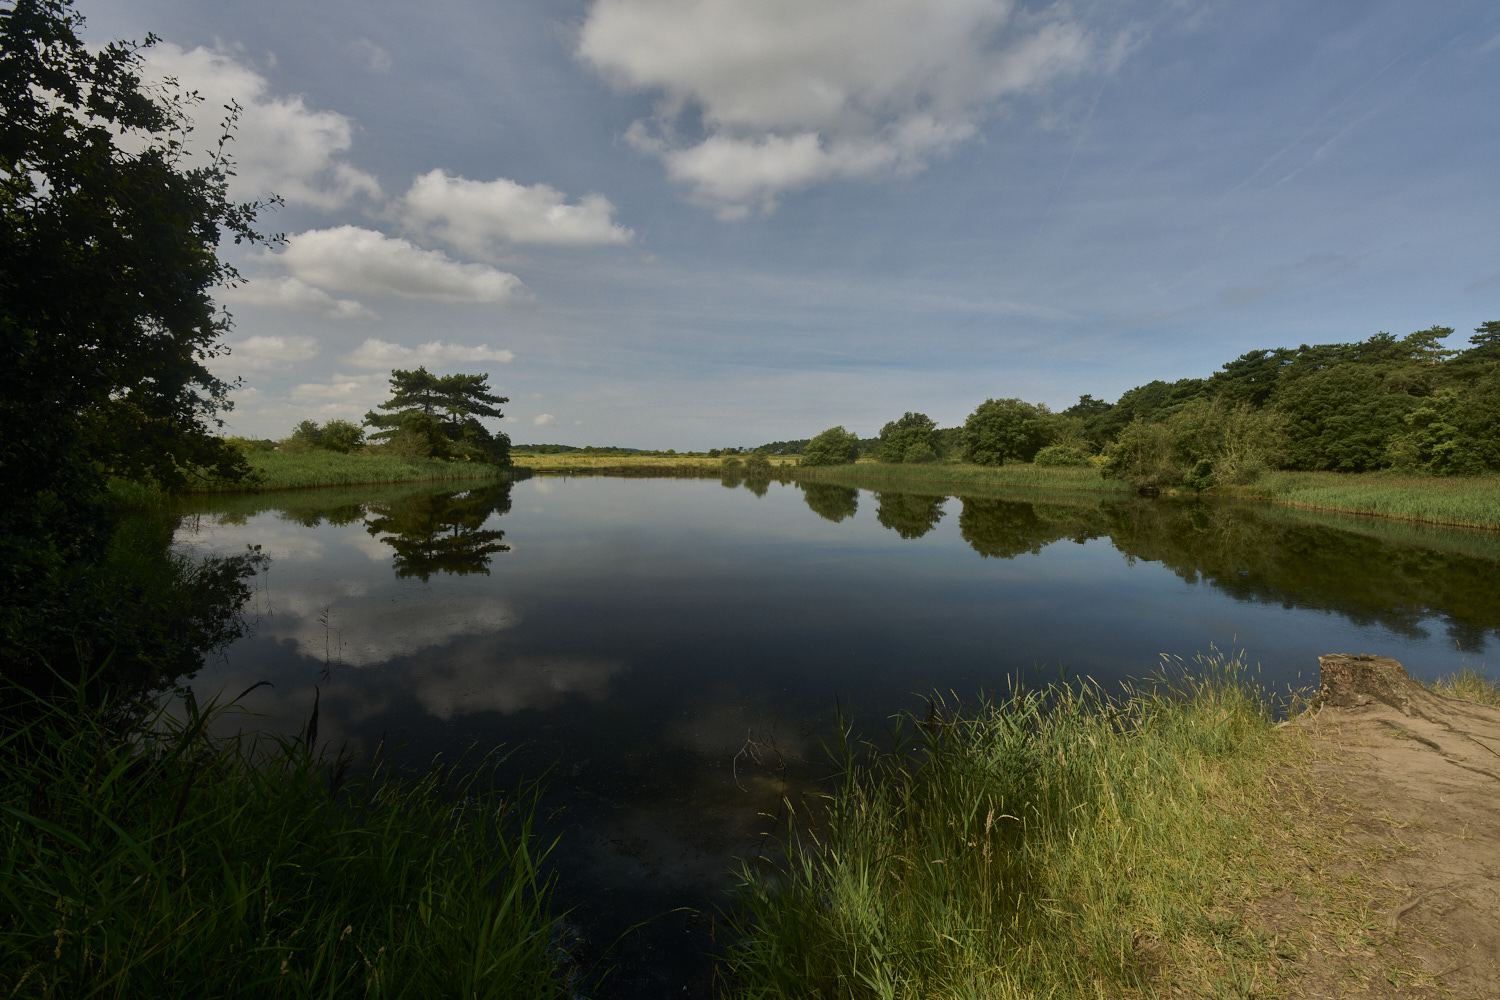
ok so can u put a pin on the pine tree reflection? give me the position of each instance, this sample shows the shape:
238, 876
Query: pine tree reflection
441, 532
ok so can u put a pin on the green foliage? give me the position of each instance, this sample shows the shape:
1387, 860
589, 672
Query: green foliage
107, 318
1004, 430
835, 446
1034, 846
336, 435
897, 437
165, 862
1062, 455
1144, 455
758, 465
439, 415
1342, 418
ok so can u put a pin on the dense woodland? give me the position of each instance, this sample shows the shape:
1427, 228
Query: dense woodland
1407, 403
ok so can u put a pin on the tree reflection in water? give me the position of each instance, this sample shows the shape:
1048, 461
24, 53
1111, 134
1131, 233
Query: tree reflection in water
441, 532
834, 503
910, 515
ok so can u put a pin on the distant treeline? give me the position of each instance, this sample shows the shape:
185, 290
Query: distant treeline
1408, 403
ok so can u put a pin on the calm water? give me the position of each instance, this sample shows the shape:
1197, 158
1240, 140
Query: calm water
674, 650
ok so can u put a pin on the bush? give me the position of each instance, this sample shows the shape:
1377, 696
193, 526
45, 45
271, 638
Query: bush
898, 436
1062, 455
835, 446
1004, 430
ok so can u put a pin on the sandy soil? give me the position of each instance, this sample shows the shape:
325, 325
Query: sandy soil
1406, 789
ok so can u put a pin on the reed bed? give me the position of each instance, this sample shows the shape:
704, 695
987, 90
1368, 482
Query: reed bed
892, 476
1055, 843
1470, 501
152, 860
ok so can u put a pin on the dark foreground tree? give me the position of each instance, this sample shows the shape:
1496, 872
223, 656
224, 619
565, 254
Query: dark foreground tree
107, 266
437, 416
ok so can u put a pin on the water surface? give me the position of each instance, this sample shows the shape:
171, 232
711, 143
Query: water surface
674, 650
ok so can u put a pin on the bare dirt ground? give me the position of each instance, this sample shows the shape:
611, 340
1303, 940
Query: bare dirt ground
1399, 829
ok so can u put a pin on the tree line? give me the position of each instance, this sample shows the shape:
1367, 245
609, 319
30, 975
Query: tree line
1407, 403
428, 416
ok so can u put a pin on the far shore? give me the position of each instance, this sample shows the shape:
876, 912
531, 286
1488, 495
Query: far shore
1455, 501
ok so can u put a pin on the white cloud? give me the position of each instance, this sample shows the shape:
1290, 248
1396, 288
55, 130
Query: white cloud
381, 354
289, 293
263, 353
371, 56
473, 216
542, 420
788, 93
352, 259
341, 394
280, 144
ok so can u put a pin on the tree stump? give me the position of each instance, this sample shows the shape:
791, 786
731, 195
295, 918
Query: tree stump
1360, 679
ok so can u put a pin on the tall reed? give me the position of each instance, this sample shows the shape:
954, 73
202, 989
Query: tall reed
146, 858
1053, 843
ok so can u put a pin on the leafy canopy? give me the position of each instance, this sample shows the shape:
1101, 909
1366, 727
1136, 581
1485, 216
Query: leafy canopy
108, 261
438, 416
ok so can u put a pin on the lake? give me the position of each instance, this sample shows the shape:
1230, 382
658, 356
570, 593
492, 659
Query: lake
672, 653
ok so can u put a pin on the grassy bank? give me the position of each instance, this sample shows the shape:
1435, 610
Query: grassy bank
638, 464
1466, 501
163, 862
879, 475
1057, 844
293, 470
1471, 501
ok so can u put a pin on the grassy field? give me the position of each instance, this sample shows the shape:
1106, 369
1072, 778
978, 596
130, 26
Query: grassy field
158, 861
283, 470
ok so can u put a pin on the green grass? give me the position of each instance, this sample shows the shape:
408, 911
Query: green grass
1472, 501
1469, 685
878, 474
162, 862
290, 470
1051, 844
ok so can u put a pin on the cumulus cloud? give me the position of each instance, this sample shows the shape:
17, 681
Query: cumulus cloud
384, 355
290, 293
263, 353
280, 144
542, 420
351, 259
342, 396
787, 95
474, 216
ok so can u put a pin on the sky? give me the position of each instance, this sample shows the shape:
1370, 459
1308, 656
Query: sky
697, 223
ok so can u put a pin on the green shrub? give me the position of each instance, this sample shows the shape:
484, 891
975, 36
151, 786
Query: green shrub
1062, 455
835, 446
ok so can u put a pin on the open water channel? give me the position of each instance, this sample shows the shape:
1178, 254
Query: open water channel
672, 652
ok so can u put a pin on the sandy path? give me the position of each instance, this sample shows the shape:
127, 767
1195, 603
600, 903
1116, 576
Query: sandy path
1410, 791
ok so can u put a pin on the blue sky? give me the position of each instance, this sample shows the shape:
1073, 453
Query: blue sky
690, 223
